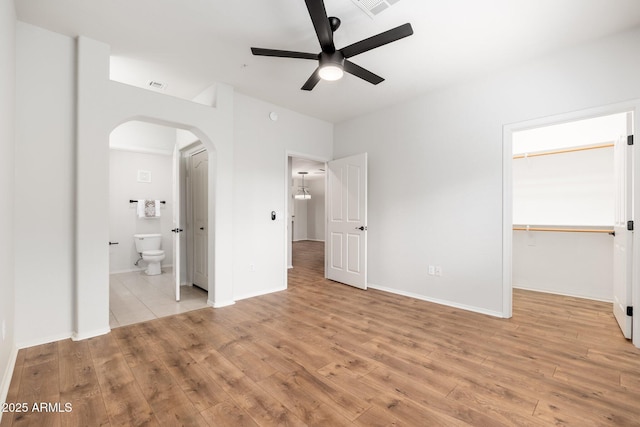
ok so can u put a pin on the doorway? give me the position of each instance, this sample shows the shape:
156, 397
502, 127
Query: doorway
560, 204
306, 213
141, 168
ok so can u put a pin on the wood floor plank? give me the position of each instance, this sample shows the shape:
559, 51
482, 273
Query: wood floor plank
199, 388
228, 413
14, 388
39, 385
321, 353
79, 386
124, 400
306, 406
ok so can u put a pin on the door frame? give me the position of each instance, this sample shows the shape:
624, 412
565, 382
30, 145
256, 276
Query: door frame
287, 201
507, 197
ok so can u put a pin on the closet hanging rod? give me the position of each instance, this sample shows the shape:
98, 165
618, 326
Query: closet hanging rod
135, 201
564, 150
567, 230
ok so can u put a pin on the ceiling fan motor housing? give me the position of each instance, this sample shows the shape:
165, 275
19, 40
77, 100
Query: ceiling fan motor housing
335, 58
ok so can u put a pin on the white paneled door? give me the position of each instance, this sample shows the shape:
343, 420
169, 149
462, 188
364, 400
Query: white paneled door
199, 175
346, 241
623, 228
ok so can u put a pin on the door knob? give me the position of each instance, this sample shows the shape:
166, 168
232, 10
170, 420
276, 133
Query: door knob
361, 228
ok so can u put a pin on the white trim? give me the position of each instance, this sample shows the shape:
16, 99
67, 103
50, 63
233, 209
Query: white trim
219, 305
437, 301
564, 294
261, 293
507, 222
143, 150
43, 340
193, 148
90, 334
507, 196
138, 270
8, 374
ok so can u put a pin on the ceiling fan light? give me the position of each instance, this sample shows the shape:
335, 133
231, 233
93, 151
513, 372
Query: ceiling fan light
331, 72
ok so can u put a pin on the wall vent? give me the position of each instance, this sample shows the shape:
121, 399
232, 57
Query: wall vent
157, 85
374, 7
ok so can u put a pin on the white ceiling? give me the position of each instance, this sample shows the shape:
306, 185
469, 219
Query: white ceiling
191, 44
316, 170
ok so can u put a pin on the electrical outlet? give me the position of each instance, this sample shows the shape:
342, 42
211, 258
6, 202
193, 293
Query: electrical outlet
438, 271
432, 270
252, 267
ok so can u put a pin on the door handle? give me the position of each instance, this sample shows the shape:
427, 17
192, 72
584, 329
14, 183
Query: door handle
113, 243
201, 228
361, 228
177, 230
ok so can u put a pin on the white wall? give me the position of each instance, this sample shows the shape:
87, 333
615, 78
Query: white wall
123, 219
300, 223
315, 210
575, 188
261, 150
44, 201
142, 136
435, 168
575, 264
7, 146
62, 168
309, 214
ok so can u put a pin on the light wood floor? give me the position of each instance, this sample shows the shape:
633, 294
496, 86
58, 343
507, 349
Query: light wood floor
326, 354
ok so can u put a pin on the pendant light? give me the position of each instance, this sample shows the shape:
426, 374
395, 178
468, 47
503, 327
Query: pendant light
303, 192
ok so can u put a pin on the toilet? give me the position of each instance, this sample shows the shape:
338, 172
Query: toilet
148, 246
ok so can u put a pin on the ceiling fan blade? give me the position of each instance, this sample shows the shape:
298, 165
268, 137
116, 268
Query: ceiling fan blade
283, 53
377, 41
363, 73
321, 23
313, 80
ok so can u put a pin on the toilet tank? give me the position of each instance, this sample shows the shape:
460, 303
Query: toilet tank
147, 242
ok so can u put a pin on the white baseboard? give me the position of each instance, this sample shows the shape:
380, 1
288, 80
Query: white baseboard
6, 378
257, 294
133, 270
43, 340
438, 301
219, 304
91, 334
564, 294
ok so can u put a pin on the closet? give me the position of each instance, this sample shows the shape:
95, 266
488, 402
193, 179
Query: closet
564, 198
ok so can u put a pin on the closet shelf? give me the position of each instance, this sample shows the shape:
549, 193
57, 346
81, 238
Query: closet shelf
564, 229
563, 150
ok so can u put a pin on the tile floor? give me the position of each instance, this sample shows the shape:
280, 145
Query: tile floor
135, 297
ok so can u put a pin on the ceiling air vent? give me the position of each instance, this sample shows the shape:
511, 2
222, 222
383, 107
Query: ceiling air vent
374, 7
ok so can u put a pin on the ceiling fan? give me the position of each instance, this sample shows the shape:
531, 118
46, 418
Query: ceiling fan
333, 63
